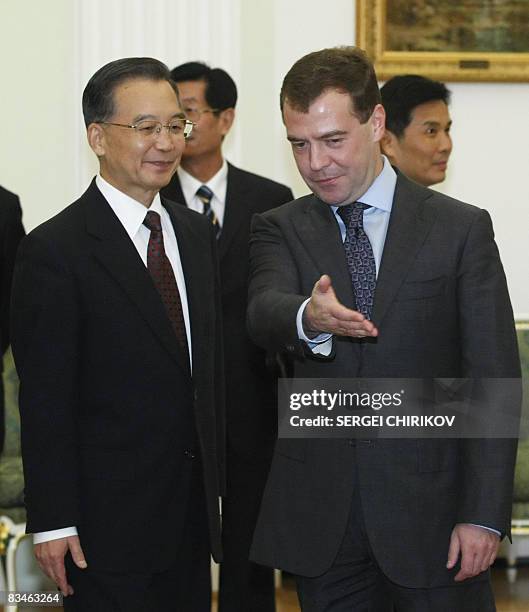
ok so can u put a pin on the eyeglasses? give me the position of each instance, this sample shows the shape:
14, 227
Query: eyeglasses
152, 129
196, 113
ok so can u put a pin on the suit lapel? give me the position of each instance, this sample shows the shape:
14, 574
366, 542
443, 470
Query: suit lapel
118, 255
234, 210
409, 225
174, 192
318, 230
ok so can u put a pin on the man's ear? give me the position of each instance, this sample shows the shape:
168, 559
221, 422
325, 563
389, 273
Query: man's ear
378, 122
226, 120
96, 138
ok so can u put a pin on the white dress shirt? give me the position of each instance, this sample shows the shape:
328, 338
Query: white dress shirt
131, 215
218, 185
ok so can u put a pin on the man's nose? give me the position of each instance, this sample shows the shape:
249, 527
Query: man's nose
164, 140
446, 142
318, 158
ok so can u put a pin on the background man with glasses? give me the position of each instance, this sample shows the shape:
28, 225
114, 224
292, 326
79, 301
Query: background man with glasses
116, 337
229, 196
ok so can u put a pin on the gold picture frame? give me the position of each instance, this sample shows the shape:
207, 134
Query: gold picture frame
453, 64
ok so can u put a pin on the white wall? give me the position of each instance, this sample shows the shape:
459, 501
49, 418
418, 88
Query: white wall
49, 50
489, 167
37, 105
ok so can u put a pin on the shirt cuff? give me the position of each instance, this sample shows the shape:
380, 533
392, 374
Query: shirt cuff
312, 342
55, 534
498, 533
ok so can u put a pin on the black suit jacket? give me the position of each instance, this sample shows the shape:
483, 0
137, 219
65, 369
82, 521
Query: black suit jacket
11, 233
110, 414
442, 309
250, 385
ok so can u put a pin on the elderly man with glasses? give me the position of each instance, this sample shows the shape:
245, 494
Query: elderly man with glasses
116, 337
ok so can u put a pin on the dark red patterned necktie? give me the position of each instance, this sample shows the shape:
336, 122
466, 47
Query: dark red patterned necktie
163, 277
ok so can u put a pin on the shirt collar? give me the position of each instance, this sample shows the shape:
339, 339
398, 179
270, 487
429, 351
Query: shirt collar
382, 189
130, 212
217, 183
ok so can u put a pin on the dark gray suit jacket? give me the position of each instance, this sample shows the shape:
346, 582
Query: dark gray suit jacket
442, 310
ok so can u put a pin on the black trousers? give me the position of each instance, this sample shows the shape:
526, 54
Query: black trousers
244, 586
183, 587
355, 583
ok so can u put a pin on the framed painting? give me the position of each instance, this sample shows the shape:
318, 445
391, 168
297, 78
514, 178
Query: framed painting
447, 40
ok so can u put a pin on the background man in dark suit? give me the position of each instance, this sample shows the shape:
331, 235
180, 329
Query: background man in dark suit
417, 139
11, 233
375, 276
116, 338
230, 197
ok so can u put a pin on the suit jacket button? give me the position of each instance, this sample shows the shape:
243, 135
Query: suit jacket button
189, 454
195, 395
290, 348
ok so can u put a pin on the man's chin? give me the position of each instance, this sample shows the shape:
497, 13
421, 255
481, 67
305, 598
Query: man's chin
325, 195
436, 178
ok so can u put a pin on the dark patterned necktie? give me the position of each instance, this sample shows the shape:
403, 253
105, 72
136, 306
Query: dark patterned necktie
205, 195
163, 277
359, 255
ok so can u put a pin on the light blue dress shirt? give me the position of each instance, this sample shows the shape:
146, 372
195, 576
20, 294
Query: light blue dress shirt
379, 197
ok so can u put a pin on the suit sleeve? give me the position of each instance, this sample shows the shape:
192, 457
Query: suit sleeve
45, 337
273, 300
13, 232
489, 351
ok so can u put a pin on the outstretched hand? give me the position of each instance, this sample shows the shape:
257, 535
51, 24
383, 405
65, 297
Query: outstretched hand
325, 314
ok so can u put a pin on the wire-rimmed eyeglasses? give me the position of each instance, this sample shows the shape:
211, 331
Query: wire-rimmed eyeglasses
149, 128
196, 113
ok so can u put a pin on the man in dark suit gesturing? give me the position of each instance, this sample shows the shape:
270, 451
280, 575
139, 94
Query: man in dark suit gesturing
375, 276
11, 233
230, 196
117, 341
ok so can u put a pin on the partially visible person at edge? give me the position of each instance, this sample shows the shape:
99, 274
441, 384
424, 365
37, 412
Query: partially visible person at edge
11, 233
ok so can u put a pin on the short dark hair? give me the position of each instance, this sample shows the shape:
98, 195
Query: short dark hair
401, 94
98, 95
346, 69
221, 91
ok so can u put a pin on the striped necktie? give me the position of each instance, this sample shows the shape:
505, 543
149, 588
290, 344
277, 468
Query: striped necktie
205, 195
